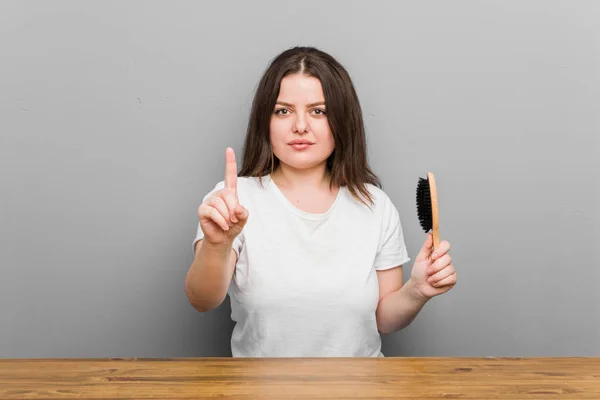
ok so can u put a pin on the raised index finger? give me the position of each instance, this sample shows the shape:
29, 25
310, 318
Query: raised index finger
230, 170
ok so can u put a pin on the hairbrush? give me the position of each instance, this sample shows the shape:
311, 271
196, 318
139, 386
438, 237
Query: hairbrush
427, 207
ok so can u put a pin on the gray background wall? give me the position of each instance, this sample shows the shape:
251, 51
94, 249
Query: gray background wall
114, 118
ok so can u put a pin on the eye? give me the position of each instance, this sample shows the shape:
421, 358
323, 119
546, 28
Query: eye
319, 111
281, 111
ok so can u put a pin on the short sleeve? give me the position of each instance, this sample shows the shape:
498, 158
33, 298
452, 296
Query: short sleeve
392, 250
237, 242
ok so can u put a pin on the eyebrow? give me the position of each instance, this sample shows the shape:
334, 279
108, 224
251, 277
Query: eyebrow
319, 103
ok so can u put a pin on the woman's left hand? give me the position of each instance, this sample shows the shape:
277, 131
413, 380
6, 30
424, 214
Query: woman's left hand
433, 274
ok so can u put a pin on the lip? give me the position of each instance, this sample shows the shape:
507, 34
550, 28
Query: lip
300, 141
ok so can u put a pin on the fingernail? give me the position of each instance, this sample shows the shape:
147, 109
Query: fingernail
434, 255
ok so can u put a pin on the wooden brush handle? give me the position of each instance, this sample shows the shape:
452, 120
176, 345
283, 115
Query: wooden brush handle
434, 210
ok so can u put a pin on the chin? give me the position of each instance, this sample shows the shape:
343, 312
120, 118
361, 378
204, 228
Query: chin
303, 159
295, 163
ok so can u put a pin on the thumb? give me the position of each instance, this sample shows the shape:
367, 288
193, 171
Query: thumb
426, 249
241, 213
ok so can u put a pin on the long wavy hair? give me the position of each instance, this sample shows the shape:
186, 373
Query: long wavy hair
348, 163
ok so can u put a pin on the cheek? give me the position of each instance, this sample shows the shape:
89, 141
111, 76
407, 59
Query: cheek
323, 132
278, 128
278, 134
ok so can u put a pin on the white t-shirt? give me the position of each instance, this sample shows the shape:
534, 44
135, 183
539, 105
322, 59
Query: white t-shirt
305, 284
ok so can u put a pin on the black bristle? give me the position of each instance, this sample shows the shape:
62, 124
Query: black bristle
424, 205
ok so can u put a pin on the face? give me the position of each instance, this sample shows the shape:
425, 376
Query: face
300, 115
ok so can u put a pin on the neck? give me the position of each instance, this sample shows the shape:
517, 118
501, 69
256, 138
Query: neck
310, 178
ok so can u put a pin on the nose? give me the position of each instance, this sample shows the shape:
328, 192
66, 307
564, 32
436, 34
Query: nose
300, 124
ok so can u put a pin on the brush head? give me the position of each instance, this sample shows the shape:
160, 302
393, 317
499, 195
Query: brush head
424, 210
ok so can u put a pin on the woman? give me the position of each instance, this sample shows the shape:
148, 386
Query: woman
304, 240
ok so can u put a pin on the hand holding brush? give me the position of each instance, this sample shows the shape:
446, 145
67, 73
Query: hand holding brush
432, 271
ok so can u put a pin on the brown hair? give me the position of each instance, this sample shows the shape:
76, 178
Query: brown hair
348, 163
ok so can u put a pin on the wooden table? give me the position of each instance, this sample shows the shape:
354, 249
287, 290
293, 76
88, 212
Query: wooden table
302, 378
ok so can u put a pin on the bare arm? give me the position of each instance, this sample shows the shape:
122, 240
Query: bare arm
209, 275
431, 275
222, 219
398, 309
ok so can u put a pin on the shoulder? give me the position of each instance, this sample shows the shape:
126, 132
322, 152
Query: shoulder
381, 201
376, 192
253, 182
246, 186
245, 183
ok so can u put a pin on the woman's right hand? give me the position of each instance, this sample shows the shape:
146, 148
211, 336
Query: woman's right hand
221, 216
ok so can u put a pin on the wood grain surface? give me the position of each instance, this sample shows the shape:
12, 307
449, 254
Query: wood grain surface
301, 378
